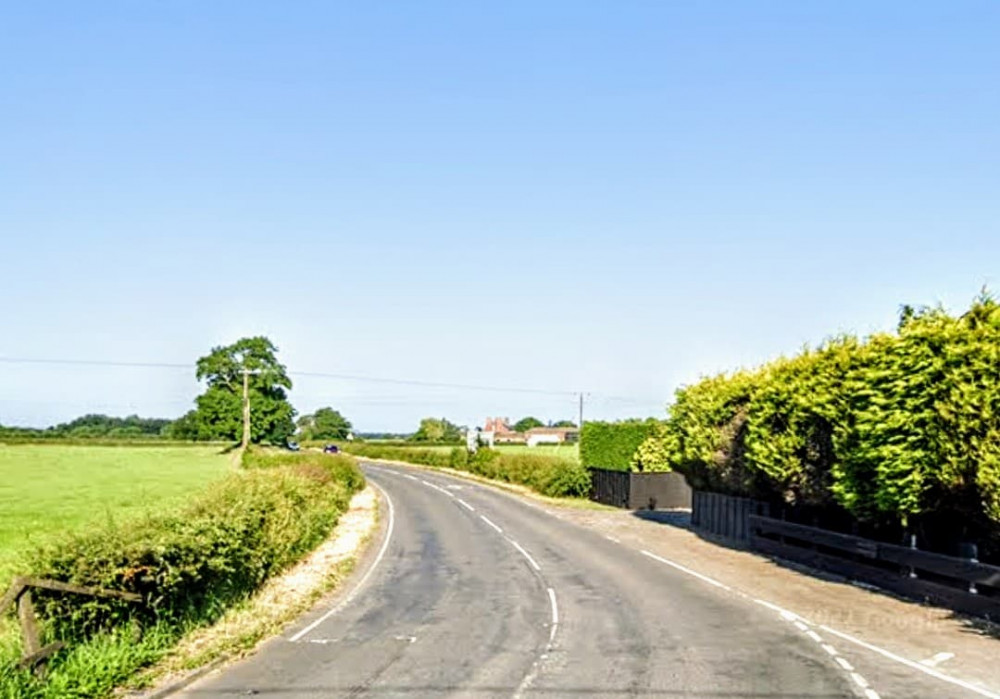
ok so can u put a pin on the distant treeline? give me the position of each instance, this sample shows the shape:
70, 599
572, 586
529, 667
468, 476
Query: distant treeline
96, 426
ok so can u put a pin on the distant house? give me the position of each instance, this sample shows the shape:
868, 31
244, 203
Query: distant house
551, 435
502, 433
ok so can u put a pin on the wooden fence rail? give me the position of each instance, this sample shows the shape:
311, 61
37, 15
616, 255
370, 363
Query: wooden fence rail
961, 584
35, 655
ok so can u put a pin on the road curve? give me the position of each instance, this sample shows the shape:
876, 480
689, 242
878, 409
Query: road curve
480, 594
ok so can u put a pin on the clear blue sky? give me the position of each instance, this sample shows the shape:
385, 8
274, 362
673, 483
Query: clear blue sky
615, 197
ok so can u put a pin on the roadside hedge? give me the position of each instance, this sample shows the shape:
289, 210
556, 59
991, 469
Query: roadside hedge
900, 428
615, 445
189, 565
549, 475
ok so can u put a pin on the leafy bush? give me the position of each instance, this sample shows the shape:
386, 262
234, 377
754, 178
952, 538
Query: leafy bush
613, 445
899, 428
191, 564
548, 475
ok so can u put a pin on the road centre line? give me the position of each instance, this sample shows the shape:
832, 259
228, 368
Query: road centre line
489, 522
525, 554
466, 505
350, 596
555, 615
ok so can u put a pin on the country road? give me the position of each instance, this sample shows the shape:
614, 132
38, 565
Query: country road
476, 592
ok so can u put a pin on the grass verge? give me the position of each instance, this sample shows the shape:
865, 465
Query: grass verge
191, 565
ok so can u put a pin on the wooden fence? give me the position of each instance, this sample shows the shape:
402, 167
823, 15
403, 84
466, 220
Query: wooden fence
725, 515
961, 584
637, 491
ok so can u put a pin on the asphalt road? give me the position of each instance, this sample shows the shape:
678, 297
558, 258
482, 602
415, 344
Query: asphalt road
479, 593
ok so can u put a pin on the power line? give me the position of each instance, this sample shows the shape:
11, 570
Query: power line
341, 377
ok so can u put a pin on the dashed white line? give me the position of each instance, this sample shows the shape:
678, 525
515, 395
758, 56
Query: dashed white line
937, 659
555, 615
489, 522
438, 488
466, 505
800, 626
828, 648
814, 636
872, 694
381, 553
611, 538
859, 680
678, 566
916, 666
844, 664
524, 553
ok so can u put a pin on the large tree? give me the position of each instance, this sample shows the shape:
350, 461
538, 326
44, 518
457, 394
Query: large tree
434, 429
325, 423
219, 413
527, 423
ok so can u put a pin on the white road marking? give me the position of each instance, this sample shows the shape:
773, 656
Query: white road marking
555, 615
487, 520
466, 505
937, 659
872, 694
611, 538
981, 691
678, 566
524, 553
438, 488
859, 680
323, 641
800, 626
814, 636
829, 649
411, 477
408, 639
844, 664
350, 596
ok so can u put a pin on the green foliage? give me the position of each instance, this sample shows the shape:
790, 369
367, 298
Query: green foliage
549, 475
95, 427
434, 429
613, 445
325, 423
900, 427
219, 413
189, 565
565, 423
527, 423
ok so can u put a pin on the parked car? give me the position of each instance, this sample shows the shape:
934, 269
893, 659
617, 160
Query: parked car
331, 449
292, 446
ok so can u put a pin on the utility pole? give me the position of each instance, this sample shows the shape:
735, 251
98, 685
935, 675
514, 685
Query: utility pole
246, 407
581, 412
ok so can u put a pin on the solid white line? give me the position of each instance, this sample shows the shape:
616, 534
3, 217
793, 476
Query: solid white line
487, 520
844, 664
466, 505
916, 666
381, 553
800, 626
861, 681
681, 568
814, 636
524, 553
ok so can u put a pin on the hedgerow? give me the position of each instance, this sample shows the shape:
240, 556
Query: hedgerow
188, 565
548, 475
615, 445
899, 427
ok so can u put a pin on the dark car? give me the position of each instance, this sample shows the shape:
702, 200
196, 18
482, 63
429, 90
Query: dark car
331, 449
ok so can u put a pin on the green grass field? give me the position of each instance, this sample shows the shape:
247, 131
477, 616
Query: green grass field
49, 489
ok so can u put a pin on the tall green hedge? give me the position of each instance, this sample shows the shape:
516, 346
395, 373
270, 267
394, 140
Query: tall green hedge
900, 427
614, 445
